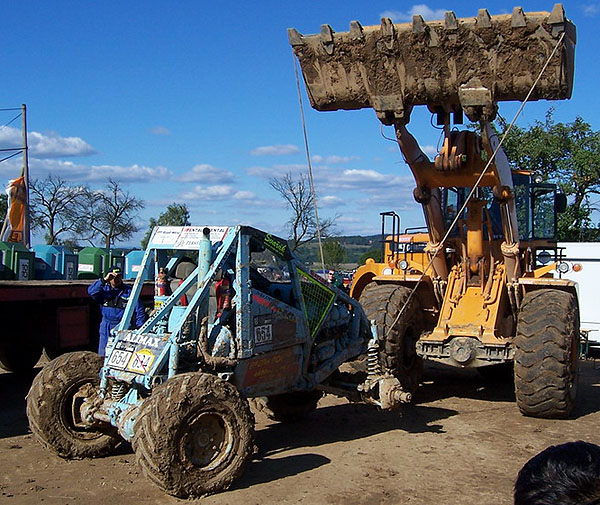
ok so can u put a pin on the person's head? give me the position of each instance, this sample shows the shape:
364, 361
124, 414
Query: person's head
331, 275
114, 276
566, 474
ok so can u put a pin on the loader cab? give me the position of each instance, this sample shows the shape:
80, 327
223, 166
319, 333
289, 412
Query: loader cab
538, 205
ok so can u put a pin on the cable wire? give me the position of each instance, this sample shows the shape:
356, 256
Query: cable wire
310, 172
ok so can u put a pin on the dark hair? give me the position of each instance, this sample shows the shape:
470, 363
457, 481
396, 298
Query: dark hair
566, 474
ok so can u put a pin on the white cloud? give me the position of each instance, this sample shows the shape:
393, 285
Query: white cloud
276, 150
217, 192
49, 145
428, 13
333, 160
591, 9
430, 150
160, 130
207, 174
69, 171
244, 195
330, 201
276, 170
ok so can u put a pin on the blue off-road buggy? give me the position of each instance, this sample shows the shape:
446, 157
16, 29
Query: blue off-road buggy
244, 320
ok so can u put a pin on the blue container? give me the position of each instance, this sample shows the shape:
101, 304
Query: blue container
45, 262
54, 262
133, 264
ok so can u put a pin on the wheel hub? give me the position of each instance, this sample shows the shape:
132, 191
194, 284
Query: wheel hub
207, 442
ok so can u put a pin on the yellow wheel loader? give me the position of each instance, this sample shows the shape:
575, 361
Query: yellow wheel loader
476, 290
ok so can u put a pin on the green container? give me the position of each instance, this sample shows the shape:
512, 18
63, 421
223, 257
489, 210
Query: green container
92, 262
16, 261
116, 258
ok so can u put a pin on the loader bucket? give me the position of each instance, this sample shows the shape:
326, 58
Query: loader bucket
468, 63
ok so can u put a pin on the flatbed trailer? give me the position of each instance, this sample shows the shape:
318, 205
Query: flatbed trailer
47, 316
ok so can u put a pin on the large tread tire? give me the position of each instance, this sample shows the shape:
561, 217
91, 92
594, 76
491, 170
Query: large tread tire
177, 423
546, 354
288, 407
18, 354
50, 413
398, 353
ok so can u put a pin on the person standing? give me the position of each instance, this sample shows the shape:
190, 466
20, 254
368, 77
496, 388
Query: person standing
113, 294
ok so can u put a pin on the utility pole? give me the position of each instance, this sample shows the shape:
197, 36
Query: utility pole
26, 238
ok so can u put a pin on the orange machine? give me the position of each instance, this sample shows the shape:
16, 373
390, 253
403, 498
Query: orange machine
476, 289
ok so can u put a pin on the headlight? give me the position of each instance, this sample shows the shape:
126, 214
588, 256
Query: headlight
563, 267
544, 257
387, 271
403, 265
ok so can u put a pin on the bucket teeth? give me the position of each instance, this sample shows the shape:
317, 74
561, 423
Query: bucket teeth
356, 30
418, 24
327, 38
484, 20
295, 37
518, 18
557, 16
450, 21
388, 32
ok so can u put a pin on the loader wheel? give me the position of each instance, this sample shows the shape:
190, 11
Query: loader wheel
194, 435
288, 407
546, 353
398, 353
53, 405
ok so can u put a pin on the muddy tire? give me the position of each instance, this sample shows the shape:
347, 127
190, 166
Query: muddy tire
398, 353
194, 435
61, 385
288, 407
546, 354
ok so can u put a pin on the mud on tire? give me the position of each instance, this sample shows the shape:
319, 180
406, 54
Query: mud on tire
546, 354
51, 413
288, 407
398, 349
194, 435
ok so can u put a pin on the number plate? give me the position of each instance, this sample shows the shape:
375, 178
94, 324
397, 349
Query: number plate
119, 359
263, 334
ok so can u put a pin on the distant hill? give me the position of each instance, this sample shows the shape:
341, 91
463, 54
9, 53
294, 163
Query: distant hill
355, 246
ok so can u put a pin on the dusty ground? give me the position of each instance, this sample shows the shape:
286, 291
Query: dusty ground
462, 442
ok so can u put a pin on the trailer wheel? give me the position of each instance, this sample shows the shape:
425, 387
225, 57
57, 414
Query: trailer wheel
288, 407
546, 354
398, 352
53, 405
194, 435
19, 355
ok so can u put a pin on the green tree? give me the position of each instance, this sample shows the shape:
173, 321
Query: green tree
334, 254
3, 205
177, 214
373, 253
567, 154
111, 214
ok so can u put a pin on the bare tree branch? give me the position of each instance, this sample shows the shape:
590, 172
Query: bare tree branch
302, 226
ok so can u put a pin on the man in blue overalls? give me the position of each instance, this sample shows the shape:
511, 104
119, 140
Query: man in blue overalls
112, 294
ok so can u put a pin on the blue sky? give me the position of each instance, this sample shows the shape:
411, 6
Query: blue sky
196, 102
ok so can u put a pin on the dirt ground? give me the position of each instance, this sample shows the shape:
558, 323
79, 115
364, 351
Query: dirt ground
461, 442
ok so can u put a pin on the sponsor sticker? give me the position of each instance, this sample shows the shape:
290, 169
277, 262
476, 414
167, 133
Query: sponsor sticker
141, 361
